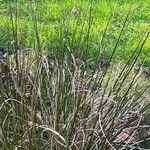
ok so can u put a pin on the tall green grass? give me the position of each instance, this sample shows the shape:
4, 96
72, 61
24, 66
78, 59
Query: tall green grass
59, 99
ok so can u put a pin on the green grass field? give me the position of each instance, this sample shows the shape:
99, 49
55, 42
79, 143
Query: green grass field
82, 23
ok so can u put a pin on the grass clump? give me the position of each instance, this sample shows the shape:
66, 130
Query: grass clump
65, 106
62, 100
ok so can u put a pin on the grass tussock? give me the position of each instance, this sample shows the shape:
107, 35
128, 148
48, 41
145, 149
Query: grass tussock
59, 105
60, 100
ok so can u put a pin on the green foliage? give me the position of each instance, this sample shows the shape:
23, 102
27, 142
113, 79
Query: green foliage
74, 17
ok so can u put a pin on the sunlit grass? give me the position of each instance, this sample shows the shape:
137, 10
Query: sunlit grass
50, 17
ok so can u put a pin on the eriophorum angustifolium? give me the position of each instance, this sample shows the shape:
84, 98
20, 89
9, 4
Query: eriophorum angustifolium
71, 90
